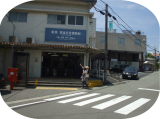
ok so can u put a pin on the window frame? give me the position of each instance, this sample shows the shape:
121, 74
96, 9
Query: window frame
56, 19
75, 20
120, 43
100, 39
17, 19
139, 41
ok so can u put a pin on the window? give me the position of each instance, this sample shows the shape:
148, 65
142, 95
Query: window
56, 19
121, 40
75, 20
137, 42
102, 39
18, 16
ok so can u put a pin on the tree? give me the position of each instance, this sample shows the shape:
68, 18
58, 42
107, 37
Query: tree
150, 55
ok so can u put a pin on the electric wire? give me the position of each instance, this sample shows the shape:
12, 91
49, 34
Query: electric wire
125, 33
127, 25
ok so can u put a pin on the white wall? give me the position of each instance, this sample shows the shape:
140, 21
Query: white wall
37, 22
8, 58
35, 67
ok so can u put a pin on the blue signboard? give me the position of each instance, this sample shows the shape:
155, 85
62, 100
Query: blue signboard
65, 35
111, 26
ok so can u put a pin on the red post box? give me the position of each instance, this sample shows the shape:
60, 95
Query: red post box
12, 76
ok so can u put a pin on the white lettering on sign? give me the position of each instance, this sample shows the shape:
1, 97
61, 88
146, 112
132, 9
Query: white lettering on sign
11, 73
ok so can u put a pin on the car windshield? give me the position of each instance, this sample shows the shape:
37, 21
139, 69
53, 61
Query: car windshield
130, 69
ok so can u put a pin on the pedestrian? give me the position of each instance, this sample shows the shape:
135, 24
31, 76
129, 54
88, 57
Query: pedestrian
84, 74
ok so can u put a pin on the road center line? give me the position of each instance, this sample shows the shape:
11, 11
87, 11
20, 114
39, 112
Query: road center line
148, 89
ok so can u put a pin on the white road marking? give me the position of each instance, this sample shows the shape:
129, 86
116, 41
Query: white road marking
78, 98
65, 96
111, 102
93, 100
148, 89
38, 98
51, 99
27, 104
132, 106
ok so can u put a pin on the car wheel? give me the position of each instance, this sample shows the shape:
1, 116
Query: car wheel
122, 77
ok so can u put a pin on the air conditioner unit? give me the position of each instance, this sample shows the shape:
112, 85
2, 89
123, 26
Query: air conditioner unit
30, 40
15, 39
1, 38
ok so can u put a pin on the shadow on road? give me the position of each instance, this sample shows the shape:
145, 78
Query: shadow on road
5, 92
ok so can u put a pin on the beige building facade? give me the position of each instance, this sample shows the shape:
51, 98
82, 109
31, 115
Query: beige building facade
122, 49
58, 35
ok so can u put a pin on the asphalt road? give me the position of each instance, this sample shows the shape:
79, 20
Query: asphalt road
112, 102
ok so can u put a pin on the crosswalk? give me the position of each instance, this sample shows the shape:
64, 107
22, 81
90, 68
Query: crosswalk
105, 104
105, 101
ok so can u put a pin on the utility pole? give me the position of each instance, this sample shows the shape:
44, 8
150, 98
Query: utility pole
106, 44
155, 60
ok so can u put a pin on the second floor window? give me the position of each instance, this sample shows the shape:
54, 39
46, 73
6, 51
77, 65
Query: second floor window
75, 20
18, 16
137, 42
56, 19
102, 39
121, 40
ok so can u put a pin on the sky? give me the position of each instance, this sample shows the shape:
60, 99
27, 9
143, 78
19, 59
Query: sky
136, 16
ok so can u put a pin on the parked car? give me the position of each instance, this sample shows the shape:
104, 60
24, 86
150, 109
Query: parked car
119, 68
130, 72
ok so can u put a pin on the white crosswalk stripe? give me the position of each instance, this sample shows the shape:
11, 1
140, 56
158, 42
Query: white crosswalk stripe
78, 98
132, 106
127, 109
65, 96
111, 102
93, 100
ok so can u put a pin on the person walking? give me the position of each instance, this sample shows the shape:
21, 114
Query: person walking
84, 78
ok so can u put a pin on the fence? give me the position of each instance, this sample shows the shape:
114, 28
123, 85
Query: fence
99, 74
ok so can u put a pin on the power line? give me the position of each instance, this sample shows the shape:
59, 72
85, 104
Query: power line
126, 24
120, 28
125, 33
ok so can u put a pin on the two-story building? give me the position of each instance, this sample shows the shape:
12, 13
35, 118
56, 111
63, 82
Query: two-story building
57, 36
123, 48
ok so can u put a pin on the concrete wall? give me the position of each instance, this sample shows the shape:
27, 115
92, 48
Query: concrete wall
113, 42
37, 21
7, 61
35, 67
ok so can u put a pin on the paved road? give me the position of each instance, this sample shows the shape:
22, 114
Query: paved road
112, 102
118, 76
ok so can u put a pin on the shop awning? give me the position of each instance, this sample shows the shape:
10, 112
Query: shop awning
46, 46
147, 62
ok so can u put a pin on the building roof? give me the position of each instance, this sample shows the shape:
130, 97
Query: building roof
47, 46
156, 55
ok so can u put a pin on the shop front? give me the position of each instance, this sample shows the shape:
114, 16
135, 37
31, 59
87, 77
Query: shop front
61, 65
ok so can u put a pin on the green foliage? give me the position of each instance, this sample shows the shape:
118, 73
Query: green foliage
150, 55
